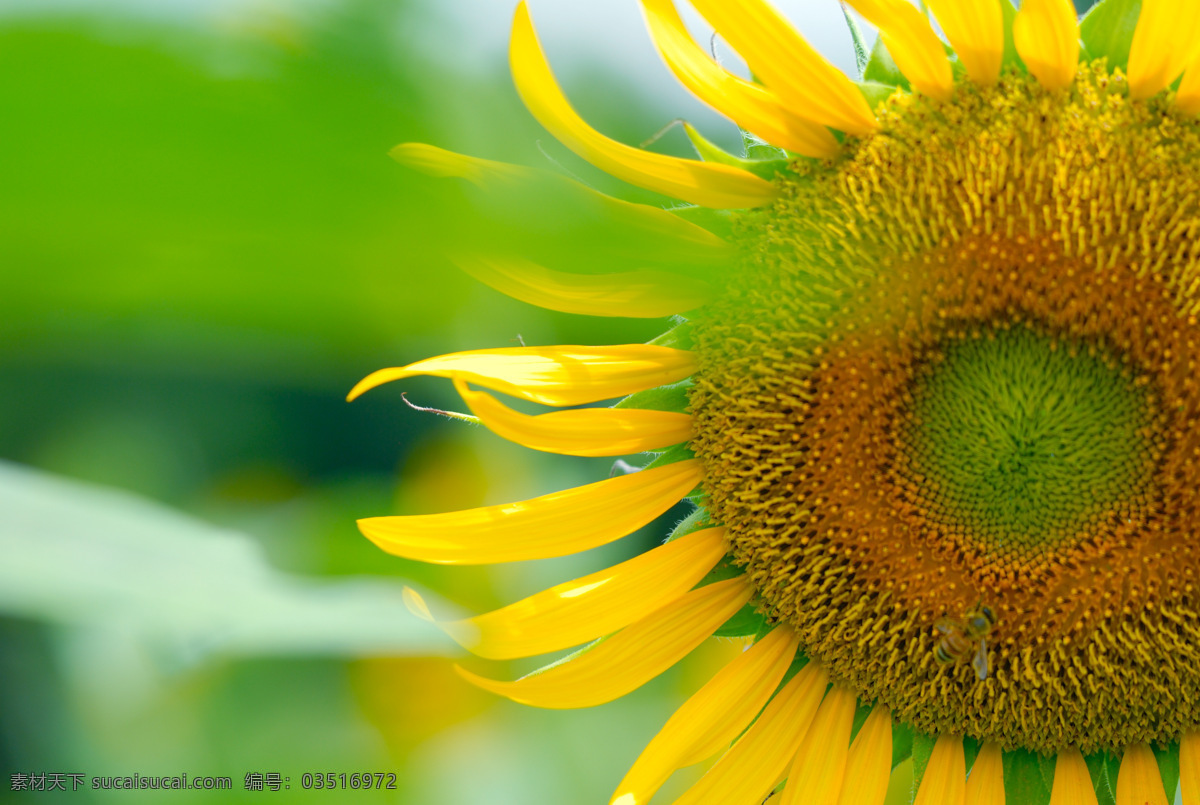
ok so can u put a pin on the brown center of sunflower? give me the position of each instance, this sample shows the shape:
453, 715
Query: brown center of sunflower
959, 372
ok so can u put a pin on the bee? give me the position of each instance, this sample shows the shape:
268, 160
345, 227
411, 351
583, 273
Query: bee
960, 636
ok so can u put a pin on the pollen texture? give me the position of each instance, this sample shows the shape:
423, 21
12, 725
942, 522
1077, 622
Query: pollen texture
959, 368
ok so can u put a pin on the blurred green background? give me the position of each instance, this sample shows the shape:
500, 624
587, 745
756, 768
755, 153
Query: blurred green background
203, 245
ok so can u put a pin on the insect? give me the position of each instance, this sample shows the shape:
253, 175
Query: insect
960, 636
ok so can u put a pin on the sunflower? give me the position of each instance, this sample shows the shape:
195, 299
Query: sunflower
934, 401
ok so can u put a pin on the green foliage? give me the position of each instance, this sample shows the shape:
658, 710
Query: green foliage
1107, 31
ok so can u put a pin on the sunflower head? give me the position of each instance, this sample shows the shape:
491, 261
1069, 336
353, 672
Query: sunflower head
935, 401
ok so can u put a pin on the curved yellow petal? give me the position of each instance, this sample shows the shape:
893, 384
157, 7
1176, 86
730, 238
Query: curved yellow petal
631, 657
1187, 99
869, 766
985, 785
712, 718
750, 106
577, 611
912, 43
704, 183
820, 764
581, 431
695, 243
749, 770
812, 87
975, 29
562, 375
1072, 782
945, 779
1046, 33
633, 294
1138, 782
1166, 40
1189, 768
551, 525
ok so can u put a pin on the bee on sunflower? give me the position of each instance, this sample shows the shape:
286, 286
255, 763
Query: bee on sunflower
935, 400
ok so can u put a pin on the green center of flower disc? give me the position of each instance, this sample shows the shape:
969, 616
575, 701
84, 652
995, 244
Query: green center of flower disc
1024, 440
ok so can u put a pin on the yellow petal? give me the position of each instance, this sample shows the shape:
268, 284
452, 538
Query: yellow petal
945, 779
1046, 33
975, 29
812, 87
985, 785
750, 106
711, 719
1189, 767
1187, 99
1138, 782
566, 375
1166, 40
704, 183
551, 525
694, 243
1072, 783
577, 611
581, 431
634, 294
749, 770
912, 43
631, 657
869, 766
816, 776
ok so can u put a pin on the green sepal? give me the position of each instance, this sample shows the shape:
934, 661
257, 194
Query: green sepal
719, 222
746, 622
723, 570
860, 718
1168, 767
862, 54
711, 152
798, 663
1023, 780
1011, 57
695, 521
678, 337
1098, 767
672, 455
971, 748
1107, 31
567, 658
922, 749
761, 150
874, 92
881, 69
902, 743
1112, 769
661, 398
